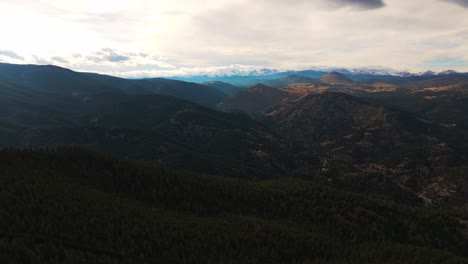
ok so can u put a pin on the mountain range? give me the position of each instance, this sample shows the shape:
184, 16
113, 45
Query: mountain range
299, 167
251, 77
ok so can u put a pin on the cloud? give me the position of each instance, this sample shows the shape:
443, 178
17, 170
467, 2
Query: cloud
40, 61
445, 62
209, 35
462, 3
113, 56
11, 54
106, 55
114, 59
329, 4
59, 59
361, 4
111, 61
117, 58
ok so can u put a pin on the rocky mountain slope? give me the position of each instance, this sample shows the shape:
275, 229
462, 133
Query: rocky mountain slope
357, 140
336, 78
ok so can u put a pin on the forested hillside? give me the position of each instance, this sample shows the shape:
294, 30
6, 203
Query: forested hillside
73, 206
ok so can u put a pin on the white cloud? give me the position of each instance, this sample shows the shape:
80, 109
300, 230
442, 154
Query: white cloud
215, 35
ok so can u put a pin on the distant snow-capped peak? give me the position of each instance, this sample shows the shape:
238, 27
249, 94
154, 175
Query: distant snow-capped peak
448, 72
372, 71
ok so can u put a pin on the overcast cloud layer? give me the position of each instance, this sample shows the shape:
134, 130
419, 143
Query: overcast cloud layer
135, 38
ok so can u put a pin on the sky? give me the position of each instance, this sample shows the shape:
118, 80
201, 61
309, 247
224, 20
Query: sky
149, 38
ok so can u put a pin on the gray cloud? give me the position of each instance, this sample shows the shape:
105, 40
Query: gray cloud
117, 58
113, 56
11, 54
59, 59
108, 55
359, 4
362, 4
463, 3
94, 59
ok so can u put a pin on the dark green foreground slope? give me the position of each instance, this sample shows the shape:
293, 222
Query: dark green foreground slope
71, 206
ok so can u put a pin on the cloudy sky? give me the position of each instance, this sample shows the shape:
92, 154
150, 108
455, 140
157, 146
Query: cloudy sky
136, 38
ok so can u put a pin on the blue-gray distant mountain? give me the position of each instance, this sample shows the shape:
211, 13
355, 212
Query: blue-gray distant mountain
226, 88
250, 79
290, 79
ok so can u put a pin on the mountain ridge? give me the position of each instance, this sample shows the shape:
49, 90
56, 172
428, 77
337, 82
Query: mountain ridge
56, 80
336, 78
355, 138
255, 99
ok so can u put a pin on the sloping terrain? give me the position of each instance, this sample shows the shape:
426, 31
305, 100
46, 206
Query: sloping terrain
63, 83
288, 80
226, 88
256, 99
71, 206
358, 141
446, 104
407, 144
162, 130
336, 78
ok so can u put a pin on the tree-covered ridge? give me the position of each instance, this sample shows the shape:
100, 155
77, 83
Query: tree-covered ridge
155, 128
57, 82
172, 132
73, 206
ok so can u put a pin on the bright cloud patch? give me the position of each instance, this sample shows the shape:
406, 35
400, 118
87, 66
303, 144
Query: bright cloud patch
160, 38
